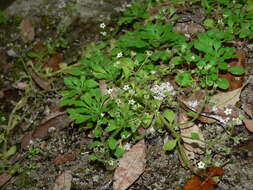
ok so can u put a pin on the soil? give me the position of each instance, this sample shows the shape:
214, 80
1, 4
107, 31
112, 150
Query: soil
79, 28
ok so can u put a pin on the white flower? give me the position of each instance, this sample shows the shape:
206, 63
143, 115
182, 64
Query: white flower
109, 91
149, 53
103, 33
207, 67
201, 165
132, 102
193, 57
159, 97
228, 111
214, 109
237, 121
119, 55
126, 87
102, 114
117, 63
131, 92
51, 129
102, 25
152, 72
220, 21
127, 146
135, 107
31, 142
118, 101
193, 103
183, 47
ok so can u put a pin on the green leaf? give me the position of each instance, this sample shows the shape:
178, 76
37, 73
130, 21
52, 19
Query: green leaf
91, 83
98, 131
223, 83
112, 143
125, 134
119, 152
209, 23
223, 66
236, 70
93, 157
169, 115
95, 144
184, 79
195, 136
161, 55
170, 145
111, 127
10, 152
72, 82
176, 60
78, 118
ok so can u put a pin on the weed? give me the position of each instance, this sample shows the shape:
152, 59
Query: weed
131, 69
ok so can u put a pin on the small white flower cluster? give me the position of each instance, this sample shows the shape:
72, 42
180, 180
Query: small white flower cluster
109, 91
193, 104
126, 87
119, 55
160, 90
201, 165
228, 111
102, 25
131, 102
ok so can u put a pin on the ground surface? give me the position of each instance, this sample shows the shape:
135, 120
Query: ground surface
79, 23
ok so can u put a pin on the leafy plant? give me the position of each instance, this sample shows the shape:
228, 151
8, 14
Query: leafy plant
132, 67
136, 11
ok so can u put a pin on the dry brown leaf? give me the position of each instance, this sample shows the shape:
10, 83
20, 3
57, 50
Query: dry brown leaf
103, 87
131, 166
60, 121
41, 82
248, 124
61, 159
63, 182
27, 30
225, 99
247, 99
4, 178
204, 181
54, 61
191, 146
188, 28
27, 140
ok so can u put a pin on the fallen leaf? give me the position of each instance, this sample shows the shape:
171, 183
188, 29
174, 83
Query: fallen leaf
27, 30
4, 178
61, 159
63, 182
188, 28
131, 166
41, 82
203, 180
27, 140
247, 99
248, 124
187, 129
54, 61
245, 147
103, 87
225, 99
60, 121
